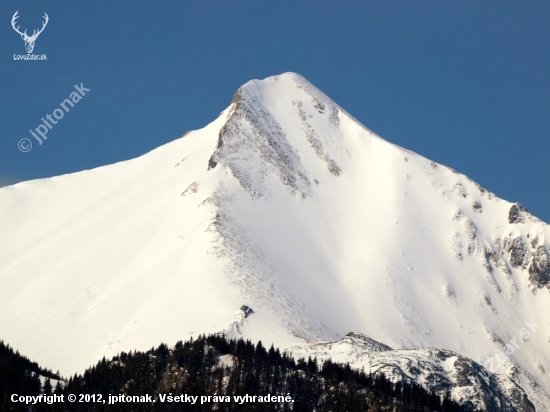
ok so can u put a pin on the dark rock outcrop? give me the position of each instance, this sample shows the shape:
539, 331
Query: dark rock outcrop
518, 251
247, 311
539, 270
515, 215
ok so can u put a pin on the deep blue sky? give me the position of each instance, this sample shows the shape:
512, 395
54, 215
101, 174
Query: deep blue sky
464, 83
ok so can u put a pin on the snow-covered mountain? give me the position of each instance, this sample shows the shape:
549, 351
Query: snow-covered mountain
438, 370
287, 221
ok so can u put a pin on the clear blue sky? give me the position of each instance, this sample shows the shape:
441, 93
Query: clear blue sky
464, 83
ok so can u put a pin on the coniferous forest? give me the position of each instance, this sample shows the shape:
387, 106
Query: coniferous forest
226, 370
19, 375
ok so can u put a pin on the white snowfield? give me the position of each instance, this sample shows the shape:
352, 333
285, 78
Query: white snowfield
288, 205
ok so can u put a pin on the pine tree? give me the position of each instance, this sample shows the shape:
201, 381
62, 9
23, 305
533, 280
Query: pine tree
47, 387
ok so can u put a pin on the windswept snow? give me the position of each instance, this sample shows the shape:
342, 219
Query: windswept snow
287, 205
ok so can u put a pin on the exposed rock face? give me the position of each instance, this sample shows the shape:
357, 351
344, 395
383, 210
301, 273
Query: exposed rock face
539, 271
519, 214
252, 144
533, 256
518, 250
471, 229
477, 207
212, 163
313, 137
246, 310
515, 215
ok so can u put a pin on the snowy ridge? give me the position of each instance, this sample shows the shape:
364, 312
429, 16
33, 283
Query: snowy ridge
437, 370
287, 205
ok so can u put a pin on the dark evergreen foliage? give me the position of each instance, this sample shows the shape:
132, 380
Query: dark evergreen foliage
18, 375
194, 368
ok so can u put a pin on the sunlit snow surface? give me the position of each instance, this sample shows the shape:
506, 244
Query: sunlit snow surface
285, 204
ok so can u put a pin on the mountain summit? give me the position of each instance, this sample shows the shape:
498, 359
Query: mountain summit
287, 221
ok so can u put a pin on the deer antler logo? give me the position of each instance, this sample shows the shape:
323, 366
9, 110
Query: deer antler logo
29, 40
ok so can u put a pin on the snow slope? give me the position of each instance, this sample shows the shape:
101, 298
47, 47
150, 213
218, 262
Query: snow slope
288, 205
440, 371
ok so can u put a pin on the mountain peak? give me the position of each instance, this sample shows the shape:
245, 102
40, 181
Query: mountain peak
288, 205
281, 85
268, 122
